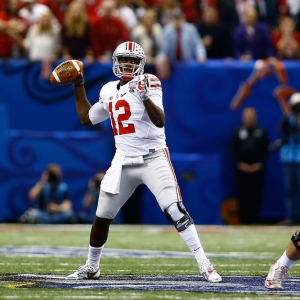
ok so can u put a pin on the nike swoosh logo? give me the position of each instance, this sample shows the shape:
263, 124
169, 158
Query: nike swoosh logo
90, 275
123, 94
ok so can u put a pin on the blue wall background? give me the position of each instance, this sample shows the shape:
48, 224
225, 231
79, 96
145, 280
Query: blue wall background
39, 125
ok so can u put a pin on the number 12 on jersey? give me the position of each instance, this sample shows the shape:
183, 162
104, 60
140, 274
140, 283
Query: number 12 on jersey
128, 128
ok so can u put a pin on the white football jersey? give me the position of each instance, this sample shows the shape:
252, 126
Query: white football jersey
134, 132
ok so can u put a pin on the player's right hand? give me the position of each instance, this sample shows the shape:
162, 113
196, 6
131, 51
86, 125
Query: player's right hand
79, 79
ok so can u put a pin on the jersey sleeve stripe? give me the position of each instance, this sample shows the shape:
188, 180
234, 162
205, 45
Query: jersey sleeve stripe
153, 78
155, 86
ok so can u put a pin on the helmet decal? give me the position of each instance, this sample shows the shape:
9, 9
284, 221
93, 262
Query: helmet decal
129, 46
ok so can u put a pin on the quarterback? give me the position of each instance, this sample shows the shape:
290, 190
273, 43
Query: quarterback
135, 108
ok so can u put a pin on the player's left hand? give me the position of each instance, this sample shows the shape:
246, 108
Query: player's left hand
143, 88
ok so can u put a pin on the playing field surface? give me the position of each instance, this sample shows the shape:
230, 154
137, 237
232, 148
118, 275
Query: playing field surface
142, 262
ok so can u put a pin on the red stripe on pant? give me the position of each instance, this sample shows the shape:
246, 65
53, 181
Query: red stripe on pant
166, 151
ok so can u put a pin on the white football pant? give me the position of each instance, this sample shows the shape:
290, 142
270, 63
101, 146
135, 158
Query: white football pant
156, 173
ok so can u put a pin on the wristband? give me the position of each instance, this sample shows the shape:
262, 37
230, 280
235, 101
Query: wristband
78, 84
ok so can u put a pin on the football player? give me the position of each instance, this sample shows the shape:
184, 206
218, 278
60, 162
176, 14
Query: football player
134, 105
281, 267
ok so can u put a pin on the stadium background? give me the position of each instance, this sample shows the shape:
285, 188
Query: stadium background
39, 125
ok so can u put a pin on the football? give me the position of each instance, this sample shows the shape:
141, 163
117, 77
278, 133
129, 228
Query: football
66, 72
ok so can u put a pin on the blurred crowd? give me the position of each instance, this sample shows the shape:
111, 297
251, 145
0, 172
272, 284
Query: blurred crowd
168, 30
51, 202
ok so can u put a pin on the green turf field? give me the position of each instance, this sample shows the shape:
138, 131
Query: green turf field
234, 251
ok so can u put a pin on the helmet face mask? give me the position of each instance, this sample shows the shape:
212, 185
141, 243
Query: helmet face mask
128, 49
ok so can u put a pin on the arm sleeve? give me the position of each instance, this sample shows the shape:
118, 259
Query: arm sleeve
157, 99
97, 113
155, 91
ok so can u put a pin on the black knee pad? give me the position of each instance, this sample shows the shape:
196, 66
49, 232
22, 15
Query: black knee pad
183, 223
296, 240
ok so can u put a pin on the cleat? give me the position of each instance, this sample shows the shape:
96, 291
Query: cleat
208, 272
85, 272
276, 275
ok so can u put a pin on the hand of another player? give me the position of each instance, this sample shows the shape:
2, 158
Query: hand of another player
143, 88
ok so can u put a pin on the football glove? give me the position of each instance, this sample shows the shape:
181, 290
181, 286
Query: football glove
143, 88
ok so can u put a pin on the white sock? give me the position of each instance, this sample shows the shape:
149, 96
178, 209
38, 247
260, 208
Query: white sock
189, 235
191, 238
284, 260
94, 256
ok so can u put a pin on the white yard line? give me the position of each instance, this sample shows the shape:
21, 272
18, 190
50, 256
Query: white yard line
37, 251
